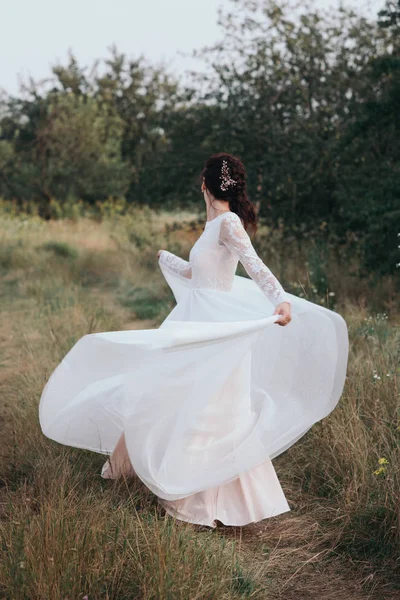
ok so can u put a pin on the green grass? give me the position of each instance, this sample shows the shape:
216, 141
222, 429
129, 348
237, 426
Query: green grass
144, 303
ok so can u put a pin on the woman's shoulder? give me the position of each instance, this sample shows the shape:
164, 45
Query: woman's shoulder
231, 227
230, 218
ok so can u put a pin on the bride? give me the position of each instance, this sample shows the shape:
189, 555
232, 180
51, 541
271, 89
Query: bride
198, 408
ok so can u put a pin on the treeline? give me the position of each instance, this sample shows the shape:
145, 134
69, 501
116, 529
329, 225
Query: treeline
310, 102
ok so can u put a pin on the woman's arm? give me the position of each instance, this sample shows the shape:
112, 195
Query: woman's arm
175, 263
234, 236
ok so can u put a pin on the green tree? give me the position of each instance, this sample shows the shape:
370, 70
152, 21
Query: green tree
389, 17
79, 149
142, 97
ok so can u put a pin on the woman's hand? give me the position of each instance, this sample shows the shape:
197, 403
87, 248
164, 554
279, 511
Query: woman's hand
159, 253
283, 309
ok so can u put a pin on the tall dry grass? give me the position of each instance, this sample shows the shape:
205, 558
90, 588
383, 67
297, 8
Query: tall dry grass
67, 533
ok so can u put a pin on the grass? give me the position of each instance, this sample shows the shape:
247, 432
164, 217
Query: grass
67, 533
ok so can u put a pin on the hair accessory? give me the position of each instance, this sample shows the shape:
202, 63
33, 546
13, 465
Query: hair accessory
226, 177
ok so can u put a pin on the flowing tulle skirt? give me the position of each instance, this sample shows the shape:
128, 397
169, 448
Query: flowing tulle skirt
205, 401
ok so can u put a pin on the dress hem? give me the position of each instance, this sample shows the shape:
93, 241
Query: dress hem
183, 517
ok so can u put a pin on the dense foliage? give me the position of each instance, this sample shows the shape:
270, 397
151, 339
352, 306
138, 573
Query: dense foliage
310, 102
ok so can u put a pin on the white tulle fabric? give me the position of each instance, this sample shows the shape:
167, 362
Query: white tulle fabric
217, 390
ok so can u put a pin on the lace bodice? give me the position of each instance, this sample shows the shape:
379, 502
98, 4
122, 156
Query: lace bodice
214, 257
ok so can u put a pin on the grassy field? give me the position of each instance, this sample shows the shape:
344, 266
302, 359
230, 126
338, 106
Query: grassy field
68, 534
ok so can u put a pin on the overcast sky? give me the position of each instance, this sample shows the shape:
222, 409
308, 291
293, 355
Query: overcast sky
36, 34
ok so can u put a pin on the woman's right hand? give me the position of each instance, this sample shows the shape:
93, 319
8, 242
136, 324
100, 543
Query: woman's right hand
283, 309
159, 253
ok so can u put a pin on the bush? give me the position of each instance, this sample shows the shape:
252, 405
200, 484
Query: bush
61, 249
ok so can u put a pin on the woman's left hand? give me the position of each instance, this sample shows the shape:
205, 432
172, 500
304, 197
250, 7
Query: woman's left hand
283, 309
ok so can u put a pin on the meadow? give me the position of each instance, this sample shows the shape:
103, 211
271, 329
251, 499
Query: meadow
66, 533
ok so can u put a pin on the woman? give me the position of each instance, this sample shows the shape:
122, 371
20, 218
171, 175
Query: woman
199, 407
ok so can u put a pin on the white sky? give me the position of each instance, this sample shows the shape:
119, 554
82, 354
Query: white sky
36, 34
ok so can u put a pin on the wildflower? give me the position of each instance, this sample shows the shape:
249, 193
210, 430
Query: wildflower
383, 461
380, 471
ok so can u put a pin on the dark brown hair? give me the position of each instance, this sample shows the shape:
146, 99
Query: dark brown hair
235, 195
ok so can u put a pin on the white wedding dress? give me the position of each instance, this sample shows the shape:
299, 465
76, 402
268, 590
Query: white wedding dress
210, 397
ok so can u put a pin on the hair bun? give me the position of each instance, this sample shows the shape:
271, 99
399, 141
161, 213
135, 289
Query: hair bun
225, 177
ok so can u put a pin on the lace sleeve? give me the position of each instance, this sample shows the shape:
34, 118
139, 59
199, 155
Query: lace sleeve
176, 264
234, 236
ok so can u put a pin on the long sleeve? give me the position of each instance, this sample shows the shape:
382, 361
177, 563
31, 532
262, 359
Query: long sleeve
176, 264
234, 236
